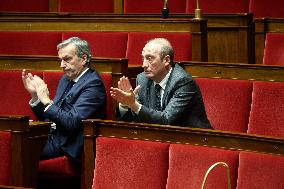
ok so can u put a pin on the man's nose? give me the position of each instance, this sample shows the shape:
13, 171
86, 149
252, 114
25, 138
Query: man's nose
145, 63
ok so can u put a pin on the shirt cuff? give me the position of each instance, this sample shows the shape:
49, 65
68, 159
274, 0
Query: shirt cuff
33, 104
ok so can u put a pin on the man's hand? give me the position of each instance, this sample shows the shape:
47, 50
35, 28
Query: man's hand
41, 90
124, 94
29, 84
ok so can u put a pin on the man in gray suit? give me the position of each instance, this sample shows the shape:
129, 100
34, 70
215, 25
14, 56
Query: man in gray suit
165, 92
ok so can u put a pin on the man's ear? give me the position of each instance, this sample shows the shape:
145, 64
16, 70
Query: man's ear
84, 59
167, 60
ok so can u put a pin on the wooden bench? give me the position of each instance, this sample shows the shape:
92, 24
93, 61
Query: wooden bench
96, 129
26, 141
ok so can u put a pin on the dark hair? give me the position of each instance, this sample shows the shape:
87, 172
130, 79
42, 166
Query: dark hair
82, 47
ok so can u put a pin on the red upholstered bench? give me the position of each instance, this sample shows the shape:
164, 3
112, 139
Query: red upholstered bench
274, 47
24, 6
29, 43
6, 158
130, 164
227, 102
153, 6
103, 44
264, 8
219, 6
181, 42
188, 165
266, 115
260, 171
87, 6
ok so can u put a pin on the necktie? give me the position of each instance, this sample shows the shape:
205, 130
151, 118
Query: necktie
68, 88
158, 97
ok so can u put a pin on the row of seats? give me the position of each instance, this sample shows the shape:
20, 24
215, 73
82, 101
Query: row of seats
135, 164
260, 8
231, 105
102, 44
119, 44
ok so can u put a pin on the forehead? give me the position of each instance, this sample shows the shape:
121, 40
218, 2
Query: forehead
151, 48
70, 50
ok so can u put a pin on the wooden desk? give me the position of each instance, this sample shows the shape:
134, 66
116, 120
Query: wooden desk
28, 139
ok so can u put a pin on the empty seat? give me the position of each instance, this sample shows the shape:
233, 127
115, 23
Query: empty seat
103, 44
95, 6
260, 171
267, 8
153, 6
130, 164
274, 47
181, 43
188, 165
29, 43
227, 102
6, 157
15, 99
266, 116
219, 6
24, 5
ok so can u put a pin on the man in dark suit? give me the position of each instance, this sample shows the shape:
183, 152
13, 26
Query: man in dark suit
80, 95
165, 93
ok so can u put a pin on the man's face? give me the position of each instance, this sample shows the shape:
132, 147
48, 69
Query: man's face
71, 64
154, 67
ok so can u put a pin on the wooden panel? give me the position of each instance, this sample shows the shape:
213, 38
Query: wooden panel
230, 36
263, 26
28, 139
234, 71
175, 135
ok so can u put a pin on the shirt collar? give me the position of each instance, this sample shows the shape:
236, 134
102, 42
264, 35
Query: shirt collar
163, 83
77, 78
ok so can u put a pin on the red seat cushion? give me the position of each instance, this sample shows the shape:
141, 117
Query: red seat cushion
181, 43
188, 165
96, 6
153, 6
219, 6
260, 171
29, 43
130, 164
57, 166
6, 157
103, 44
227, 102
24, 6
15, 99
274, 47
265, 8
266, 116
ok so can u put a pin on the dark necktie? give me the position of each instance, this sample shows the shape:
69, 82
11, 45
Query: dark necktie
158, 97
68, 88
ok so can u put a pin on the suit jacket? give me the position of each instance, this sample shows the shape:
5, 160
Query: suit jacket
182, 103
86, 99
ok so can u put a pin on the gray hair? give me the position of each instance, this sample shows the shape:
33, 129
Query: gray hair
166, 48
82, 47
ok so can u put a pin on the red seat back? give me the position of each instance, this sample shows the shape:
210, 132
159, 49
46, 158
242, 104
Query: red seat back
103, 44
219, 6
95, 6
52, 80
265, 8
274, 47
24, 6
188, 165
29, 43
266, 116
260, 171
181, 43
227, 102
6, 158
130, 164
153, 6
107, 80
15, 99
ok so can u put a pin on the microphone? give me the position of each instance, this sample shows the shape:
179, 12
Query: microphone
165, 10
